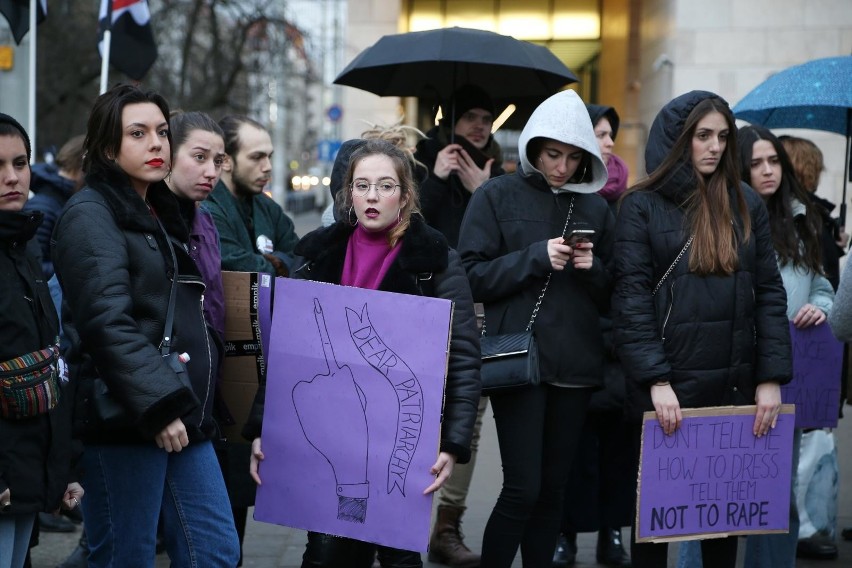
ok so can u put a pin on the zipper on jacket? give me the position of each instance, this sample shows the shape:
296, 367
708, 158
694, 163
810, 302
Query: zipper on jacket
209, 362
668, 312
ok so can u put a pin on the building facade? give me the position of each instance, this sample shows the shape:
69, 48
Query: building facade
634, 55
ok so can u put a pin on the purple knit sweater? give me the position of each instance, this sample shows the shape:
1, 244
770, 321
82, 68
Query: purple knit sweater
368, 258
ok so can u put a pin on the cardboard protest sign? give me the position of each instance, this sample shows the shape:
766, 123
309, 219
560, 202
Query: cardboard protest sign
713, 477
248, 316
815, 388
352, 417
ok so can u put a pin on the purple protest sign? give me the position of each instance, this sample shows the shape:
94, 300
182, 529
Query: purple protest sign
713, 477
815, 388
352, 418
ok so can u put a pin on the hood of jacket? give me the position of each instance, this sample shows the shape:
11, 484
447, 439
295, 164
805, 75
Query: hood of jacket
46, 179
597, 112
563, 117
665, 130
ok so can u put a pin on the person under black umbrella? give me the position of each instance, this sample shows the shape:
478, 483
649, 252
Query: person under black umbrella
460, 154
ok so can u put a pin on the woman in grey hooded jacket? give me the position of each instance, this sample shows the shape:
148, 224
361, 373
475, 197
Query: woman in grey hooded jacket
514, 244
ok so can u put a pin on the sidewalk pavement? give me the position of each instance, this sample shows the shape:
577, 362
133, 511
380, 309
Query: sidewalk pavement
272, 546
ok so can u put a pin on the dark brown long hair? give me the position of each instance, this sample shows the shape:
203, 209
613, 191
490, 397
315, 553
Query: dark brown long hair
718, 224
796, 238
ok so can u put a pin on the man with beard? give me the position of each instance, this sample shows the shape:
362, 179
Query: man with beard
458, 161
255, 234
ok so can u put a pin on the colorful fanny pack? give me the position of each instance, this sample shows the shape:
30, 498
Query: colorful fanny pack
29, 384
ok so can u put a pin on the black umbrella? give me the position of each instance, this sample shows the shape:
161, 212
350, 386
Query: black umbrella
433, 63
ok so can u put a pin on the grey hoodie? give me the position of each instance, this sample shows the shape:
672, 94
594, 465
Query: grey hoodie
563, 117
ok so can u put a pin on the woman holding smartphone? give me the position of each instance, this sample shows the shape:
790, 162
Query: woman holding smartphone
520, 258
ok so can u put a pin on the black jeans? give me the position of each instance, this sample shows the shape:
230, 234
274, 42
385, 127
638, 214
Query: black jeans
538, 430
601, 491
327, 551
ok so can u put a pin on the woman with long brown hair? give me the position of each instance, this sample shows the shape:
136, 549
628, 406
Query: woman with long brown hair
699, 307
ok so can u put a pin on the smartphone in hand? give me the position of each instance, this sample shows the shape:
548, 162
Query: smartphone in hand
577, 236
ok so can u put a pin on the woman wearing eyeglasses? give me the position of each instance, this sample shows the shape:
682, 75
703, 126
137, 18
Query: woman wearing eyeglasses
382, 243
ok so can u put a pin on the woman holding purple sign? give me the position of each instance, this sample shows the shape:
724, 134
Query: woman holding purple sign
382, 243
699, 306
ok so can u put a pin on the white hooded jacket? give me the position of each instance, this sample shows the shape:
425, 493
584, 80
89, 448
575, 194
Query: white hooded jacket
563, 117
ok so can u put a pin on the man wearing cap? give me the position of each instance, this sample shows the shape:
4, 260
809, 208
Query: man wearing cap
459, 162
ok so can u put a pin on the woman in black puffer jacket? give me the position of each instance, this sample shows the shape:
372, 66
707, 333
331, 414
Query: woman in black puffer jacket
149, 451
713, 331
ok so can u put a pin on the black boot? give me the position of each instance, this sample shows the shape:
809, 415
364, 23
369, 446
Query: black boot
610, 551
819, 546
566, 550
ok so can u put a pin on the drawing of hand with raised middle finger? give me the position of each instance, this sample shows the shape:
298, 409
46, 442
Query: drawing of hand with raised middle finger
340, 396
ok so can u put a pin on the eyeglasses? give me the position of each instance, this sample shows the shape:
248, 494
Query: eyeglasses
385, 187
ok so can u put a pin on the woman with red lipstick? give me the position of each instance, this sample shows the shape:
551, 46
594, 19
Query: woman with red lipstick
35, 439
382, 243
689, 232
144, 419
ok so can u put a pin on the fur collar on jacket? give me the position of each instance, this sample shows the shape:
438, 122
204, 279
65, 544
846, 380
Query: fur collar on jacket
130, 210
423, 251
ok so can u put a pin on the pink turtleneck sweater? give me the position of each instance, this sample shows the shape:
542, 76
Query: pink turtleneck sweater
368, 258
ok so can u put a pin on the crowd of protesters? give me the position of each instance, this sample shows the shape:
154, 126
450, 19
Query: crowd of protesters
136, 220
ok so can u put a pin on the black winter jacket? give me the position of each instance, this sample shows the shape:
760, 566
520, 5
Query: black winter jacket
35, 453
443, 202
714, 338
116, 270
504, 250
423, 253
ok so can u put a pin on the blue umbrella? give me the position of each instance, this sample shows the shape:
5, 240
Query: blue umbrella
816, 95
